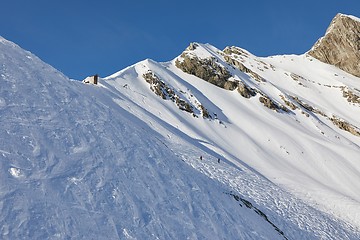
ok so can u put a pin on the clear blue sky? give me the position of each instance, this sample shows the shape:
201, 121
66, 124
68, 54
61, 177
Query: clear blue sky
81, 37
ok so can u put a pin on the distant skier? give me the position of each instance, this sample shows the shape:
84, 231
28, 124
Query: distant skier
200, 157
218, 160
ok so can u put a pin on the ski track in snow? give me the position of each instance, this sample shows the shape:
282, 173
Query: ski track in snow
271, 199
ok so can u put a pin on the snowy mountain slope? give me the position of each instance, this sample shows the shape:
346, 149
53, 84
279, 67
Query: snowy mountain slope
120, 160
301, 149
76, 165
275, 202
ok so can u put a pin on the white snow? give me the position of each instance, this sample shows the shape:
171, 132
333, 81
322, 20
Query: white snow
15, 172
351, 16
283, 147
116, 161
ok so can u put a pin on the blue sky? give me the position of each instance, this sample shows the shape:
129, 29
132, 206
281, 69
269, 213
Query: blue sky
81, 37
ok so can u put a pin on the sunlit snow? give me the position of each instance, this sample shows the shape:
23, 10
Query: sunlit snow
116, 161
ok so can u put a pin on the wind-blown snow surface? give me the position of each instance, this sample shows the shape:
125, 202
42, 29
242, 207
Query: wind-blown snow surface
115, 161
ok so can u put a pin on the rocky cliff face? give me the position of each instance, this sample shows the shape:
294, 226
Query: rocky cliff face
341, 44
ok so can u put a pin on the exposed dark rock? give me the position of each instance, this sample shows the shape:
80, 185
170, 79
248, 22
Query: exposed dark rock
243, 68
205, 112
303, 104
249, 205
210, 71
165, 92
269, 103
345, 126
246, 91
350, 95
288, 103
341, 44
308, 107
206, 69
192, 46
297, 77
235, 50
183, 105
157, 86
231, 85
342, 124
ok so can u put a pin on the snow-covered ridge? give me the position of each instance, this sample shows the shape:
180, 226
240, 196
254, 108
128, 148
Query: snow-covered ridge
4, 41
350, 16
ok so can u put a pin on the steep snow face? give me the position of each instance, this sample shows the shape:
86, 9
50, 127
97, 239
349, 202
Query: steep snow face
299, 144
76, 163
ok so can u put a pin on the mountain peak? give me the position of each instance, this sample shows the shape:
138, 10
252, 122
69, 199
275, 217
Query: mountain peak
341, 44
348, 16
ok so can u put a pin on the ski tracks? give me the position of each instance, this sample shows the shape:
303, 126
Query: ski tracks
273, 200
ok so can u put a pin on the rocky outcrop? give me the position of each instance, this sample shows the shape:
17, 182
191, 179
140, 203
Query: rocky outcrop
204, 112
229, 55
269, 103
249, 205
165, 92
209, 70
351, 96
341, 44
342, 124
289, 103
304, 105
246, 91
158, 86
206, 69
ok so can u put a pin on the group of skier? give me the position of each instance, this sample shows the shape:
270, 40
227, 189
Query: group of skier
218, 160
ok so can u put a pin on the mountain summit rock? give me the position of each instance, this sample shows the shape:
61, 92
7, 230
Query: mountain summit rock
341, 44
